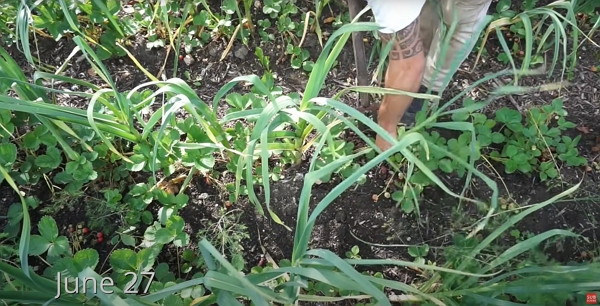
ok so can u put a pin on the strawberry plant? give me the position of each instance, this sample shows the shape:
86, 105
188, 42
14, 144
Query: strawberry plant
92, 18
49, 241
168, 229
528, 144
191, 260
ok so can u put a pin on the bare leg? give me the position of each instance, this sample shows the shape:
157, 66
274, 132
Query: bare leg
404, 72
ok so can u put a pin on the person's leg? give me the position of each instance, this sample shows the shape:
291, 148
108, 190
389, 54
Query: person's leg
470, 14
400, 19
430, 21
429, 18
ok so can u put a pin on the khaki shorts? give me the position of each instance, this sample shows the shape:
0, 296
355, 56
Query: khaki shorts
395, 15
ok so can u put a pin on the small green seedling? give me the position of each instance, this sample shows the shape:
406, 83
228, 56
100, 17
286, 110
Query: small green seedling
419, 253
263, 59
353, 253
300, 58
515, 233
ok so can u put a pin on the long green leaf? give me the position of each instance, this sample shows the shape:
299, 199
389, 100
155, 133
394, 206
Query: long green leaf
255, 293
501, 229
347, 269
525, 246
25, 228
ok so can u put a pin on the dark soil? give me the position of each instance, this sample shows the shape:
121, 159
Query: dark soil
354, 218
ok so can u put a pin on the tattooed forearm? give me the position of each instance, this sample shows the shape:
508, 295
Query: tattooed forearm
406, 43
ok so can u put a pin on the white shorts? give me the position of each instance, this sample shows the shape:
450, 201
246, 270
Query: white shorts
395, 15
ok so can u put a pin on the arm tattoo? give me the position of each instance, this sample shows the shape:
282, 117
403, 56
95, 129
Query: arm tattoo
406, 43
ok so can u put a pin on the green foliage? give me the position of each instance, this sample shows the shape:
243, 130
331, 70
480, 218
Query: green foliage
97, 22
49, 241
525, 144
353, 253
418, 253
532, 31
227, 234
167, 231
531, 144
8, 11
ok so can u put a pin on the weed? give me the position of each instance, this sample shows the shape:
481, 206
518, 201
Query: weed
419, 253
353, 253
227, 233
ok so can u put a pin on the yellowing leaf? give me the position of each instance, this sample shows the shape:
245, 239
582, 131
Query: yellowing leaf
329, 19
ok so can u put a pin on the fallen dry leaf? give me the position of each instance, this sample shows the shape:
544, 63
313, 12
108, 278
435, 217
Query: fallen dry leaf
584, 129
329, 19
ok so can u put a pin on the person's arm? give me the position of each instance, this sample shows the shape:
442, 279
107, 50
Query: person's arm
404, 72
